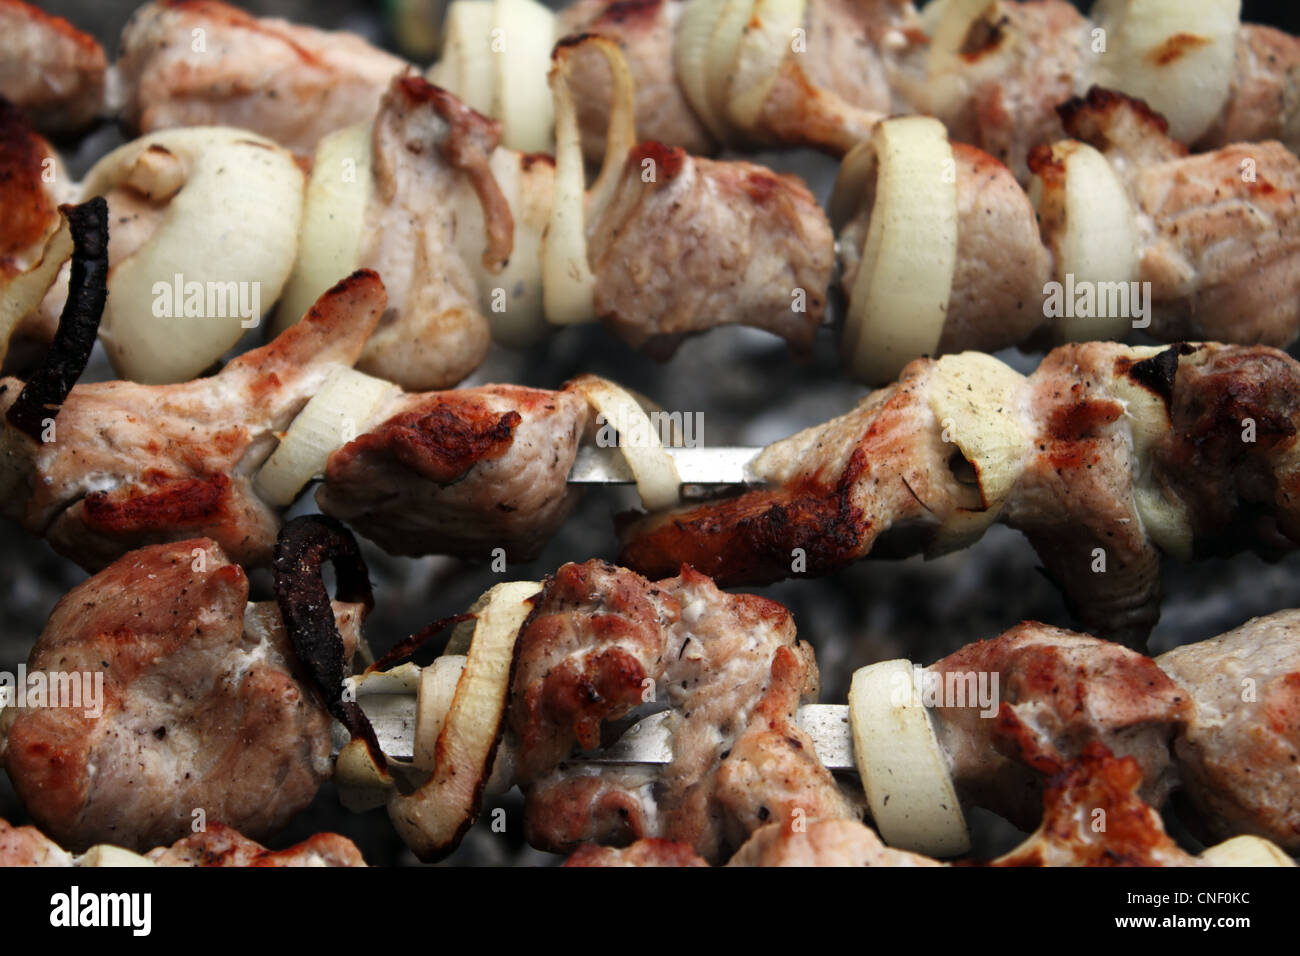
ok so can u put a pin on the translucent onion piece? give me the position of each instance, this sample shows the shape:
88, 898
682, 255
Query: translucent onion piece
657, 481
21, 294
691, 56
468, 67
525, 30
899, 300
762, 49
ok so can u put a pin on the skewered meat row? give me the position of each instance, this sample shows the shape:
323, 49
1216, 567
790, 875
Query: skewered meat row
216, 845
1106, 457
130, 464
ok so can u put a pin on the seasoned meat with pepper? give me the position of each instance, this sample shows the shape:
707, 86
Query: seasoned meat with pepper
1058, 692
220, 845
202, 714
1240, 755
1106, 457
461, 472
129, 464
1265, 99
600, 643
705, 243
204, 63
49, 69
28, 846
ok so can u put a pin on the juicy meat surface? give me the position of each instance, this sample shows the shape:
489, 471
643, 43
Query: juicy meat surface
1058, 692
201, 707
461, 472
1240, 755
1018, 61
220, 845
708, 243
1219, 231
823, 843
645, 31
997, 286
883, 474
30, 203
427, 145
1093, 816
600, 643
49, 69
28, 846
1265, 99
293, 84
137, 464
649, 852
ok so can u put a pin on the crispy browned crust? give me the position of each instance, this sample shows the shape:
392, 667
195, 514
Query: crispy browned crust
1089, 117
30, 212
1092, 816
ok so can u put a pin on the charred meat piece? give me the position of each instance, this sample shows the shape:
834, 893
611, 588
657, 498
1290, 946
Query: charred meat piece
1059, 691
600, 643
707, 243
1106, 457
129, 465
293, 84
1240, 755
49, 69
461, 472
200, 707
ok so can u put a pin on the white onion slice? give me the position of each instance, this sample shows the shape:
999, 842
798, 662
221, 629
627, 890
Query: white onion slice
333, 219
437, 690
433, 818
728, 29
1178, 55
899, 300
523, 101
657, 481
22, 293
691, 56
1100, 241
233, 220
468, 66
904, 772
568, 284
338, 413
516, 312
105, 854
759, 55
1247, 851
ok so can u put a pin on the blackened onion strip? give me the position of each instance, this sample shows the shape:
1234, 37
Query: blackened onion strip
46, 390
302, 549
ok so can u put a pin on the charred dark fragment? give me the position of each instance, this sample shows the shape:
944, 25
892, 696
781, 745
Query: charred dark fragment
46, 390
1158, 372
302, 549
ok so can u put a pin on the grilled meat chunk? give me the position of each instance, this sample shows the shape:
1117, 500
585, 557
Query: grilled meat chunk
1058, 692
1240, 755
649, 852
425, 143
1093, 816
1219, 231
1265, 98
49, 69
707, 243
1106, 456
823, 843
201, 706
645, 30
134, 464
461, 472
1002, 265
293, 84
220, 845
28, 846
600, 643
